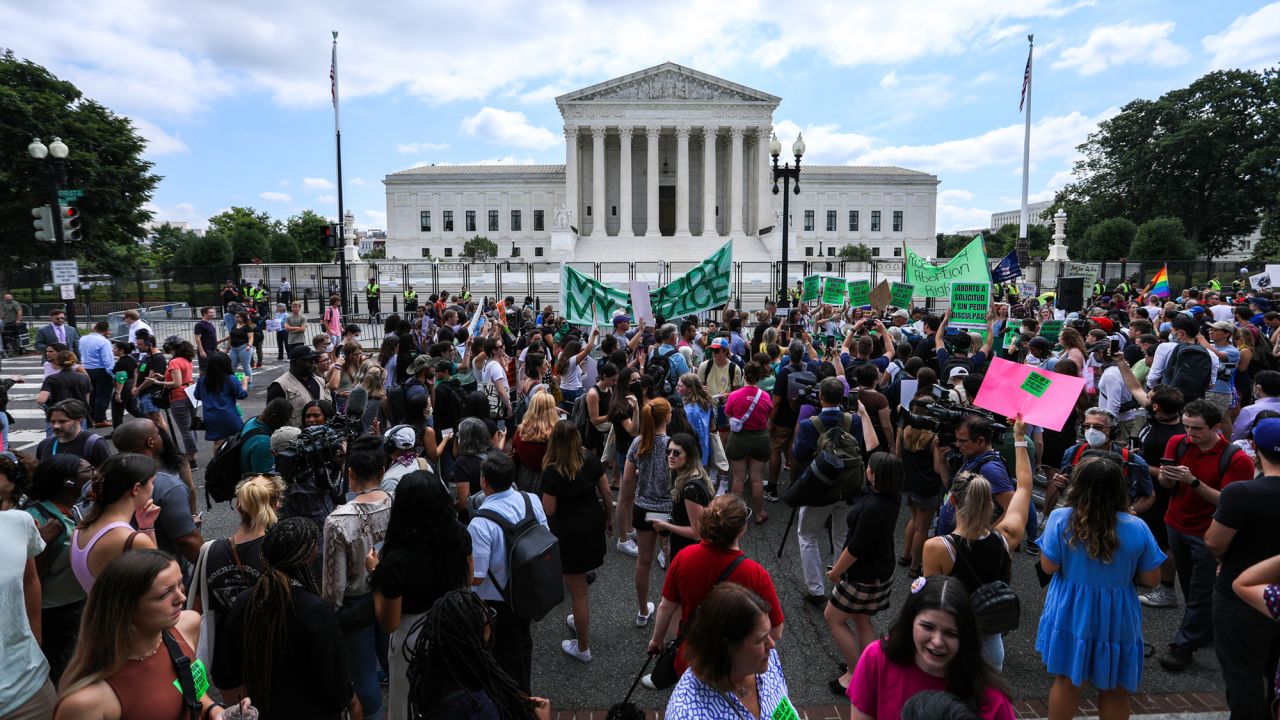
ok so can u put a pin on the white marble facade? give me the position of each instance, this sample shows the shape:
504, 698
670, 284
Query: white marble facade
662, 164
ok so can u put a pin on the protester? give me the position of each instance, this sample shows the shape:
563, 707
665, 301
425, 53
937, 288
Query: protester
239, 341
178, 375
175, 528
369, 398
26, 691
124, 375
646, 493
924, 464
66, 383
205, 337
531, 438
97, 360
344, 375
218, 390
624, 414
256, 454
691, 492
299, 385
121, 492
749, 408
66, 420
151, 388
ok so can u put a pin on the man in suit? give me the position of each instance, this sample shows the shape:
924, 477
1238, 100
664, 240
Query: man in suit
58, 332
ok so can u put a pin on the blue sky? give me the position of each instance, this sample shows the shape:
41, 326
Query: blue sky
234, 96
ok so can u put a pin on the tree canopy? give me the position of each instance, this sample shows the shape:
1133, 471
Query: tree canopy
1162, 239
105, 161
857, 253
479, 249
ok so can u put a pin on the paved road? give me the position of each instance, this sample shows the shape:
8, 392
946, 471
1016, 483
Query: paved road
809, 656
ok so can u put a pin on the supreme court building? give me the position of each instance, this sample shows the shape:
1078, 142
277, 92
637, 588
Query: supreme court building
663, 164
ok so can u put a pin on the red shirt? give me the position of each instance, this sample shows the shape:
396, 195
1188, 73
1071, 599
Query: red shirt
693, 572
1188, 512
740, 400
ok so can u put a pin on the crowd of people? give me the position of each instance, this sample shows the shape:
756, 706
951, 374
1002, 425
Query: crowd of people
388, 501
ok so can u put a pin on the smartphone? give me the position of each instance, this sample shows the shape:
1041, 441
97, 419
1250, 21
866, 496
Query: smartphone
656, 516
446, 433
1115, 346
377, 547
795, 330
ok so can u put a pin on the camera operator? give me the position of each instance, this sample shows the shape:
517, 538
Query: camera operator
973, 441
782, 424
299, 385
813, 519
1114, 397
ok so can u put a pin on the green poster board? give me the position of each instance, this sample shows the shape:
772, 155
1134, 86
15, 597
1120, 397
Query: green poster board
902, 294
812, 288
970, 303
860, 293
1050, 329
833, 291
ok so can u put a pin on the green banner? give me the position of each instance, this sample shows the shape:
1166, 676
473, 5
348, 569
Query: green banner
970, 303
833, 291
707, 285
1050, 329
859, 293
812, 288
902, 294
969, 266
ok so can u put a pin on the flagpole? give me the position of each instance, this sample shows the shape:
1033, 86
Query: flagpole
337, 137
1023, 246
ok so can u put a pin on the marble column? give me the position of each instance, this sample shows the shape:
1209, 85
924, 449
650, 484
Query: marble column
736, 211
599, 213
682, 181
571, 175
625, 229
764, 184
652, 133
709, 182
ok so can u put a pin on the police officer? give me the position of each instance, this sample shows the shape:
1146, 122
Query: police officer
410, 300
1124, 288
796, 293
372, 293
1099, 289
1214, 284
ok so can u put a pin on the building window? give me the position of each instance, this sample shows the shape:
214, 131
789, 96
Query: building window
808, 220
853, 221
831, 221
515, 251
897, 251
537, 252
613, 210
448, 252
808, 252
493, 221
515, 221
831, 251
588, 211
448, 221
471, 221
897, 221
537, 221
875, 221
875, 251
424, 220
426, 252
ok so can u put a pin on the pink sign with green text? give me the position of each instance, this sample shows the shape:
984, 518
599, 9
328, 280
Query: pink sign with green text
1044, 398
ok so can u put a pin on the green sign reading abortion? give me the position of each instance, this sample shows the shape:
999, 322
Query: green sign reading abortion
968, 266
970, 303
833, 291
705, 286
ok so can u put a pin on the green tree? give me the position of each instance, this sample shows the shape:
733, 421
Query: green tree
166, 246
284, 249
105, 160
1162, 239
248, 232
1198, 153
856, 253
479, 249
209, 250
1267, 249
307, 230
1108, 240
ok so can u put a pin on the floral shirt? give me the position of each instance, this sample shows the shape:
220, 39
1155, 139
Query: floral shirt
350, 531
693, 699
1272, 596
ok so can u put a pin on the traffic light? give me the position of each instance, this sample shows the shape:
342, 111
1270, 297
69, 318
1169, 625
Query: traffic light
331, 236
70, 218
43, 223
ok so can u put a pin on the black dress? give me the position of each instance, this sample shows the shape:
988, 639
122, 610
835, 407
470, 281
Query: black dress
578, 522
695, 490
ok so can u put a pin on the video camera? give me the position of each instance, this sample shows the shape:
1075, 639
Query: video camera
943, 416
809, 396
317, 454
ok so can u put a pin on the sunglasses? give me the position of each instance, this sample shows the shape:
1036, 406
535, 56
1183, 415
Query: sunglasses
675, 452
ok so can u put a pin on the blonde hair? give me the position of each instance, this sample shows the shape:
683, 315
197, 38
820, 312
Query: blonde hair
540, 419
973, 501
913, 438
694, 391
256, 500
374, 379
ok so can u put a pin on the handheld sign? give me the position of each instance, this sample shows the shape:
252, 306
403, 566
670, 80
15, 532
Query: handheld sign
901, 294
833, 291
860, 293
970, 303
1044, 399
784, 710
640, 302
812, 287
1050, 329
1036, 384
881, 296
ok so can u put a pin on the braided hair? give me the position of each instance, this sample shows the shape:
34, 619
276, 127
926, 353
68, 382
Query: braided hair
287, 551
450, 642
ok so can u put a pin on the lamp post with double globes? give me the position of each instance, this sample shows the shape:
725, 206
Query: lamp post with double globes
786, 173
57, 175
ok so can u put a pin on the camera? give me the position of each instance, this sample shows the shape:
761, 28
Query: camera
316, 455
810, 396
942, 417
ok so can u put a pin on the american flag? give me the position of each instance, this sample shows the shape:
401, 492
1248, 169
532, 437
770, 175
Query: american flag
333, 74
1027, 81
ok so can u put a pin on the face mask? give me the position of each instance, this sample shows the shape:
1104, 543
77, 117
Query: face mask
1095, 438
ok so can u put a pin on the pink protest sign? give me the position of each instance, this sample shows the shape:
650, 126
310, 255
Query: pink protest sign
1008, 389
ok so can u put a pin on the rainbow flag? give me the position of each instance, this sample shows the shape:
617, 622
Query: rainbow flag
1160, 283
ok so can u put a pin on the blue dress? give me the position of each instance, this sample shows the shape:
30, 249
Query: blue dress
1091, 627
693, 699
221, 418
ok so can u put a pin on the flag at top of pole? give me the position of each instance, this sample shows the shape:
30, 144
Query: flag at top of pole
1026, 80
1022, 247
333, 78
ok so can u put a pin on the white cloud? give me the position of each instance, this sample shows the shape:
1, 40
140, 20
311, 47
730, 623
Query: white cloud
317, 183
1060, 180
273, 196
954, 196
824, 144
508, 127
414, 148
178, 212
1114, 45
159, 142
890, 80
359, 182
1251, 41
326, 199
953, 217
376, 218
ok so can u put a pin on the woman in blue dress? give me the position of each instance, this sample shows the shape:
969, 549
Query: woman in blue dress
1091, 627
218, 390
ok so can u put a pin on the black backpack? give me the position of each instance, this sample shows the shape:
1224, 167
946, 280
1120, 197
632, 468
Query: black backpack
534, 582
659, 370
1224, 460
223, 472
1190, 369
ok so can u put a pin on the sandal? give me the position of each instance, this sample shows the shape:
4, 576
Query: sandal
837, 689
761, 518
913, 573
904, 562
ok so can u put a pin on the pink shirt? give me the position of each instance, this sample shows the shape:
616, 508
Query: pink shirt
880, 687
739, 400
333, 320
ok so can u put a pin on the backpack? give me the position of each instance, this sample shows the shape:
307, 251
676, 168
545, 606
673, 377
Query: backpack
854, 364
534, 582
996, 604
1190, 370
704, 371
223, 473
836, 472
1224, 460
659, 370
580, 416
954, 362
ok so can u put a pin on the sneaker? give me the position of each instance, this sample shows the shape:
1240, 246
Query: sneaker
642, 619
662, 559
647, 681
628, 547
771, 495
818, 601
591, 576
570, 648
1175, 659
1160, 596
631, 534
569, 621
1033, 548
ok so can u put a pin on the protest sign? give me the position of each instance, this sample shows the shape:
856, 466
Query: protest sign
1274, 272
1050, 329
584, 298
1261, 281
1007, 269
640, 306
1011, 334
1026, 288
705, 286
969, 265
901, 294
1044, 399
812, 288
833, 291
881, 296
859, 293
1086, 271
970, 304
908, 392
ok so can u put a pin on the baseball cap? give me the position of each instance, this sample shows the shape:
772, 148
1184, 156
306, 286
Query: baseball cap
1223, 326
958, 372
401, 437
720, 343
621, 318
303, 352
281, 438
1105, 323
1195, 310
1266, 434
902, 313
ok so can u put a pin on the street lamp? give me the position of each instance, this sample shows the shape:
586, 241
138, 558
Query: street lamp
786, 173
57, 177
